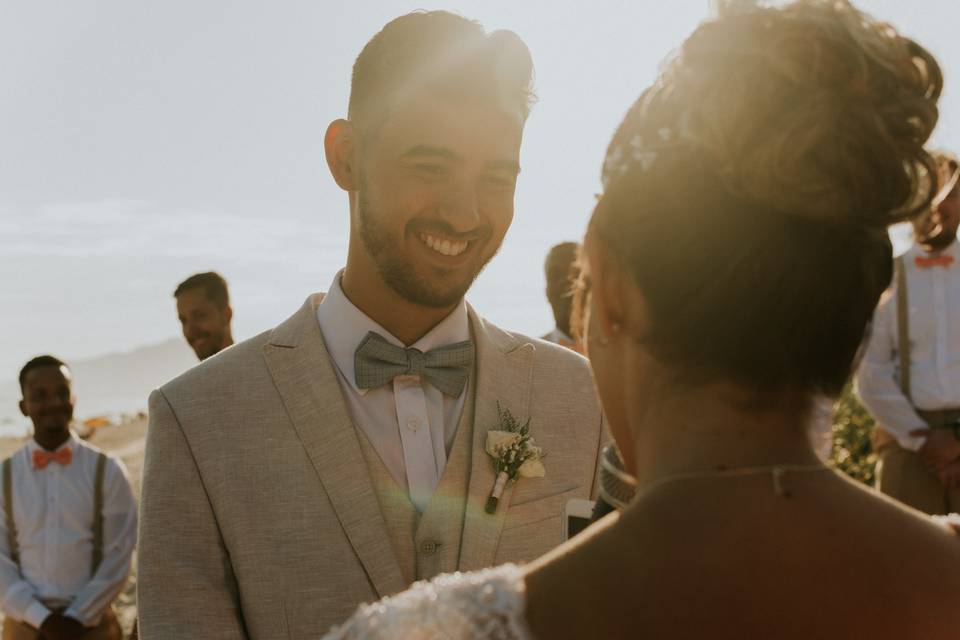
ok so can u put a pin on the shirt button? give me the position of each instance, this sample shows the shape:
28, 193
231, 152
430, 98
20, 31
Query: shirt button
429, 547
413, 424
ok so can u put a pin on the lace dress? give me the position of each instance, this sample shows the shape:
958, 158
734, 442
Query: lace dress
479, 605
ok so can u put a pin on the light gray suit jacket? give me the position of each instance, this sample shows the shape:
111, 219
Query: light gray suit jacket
259, 518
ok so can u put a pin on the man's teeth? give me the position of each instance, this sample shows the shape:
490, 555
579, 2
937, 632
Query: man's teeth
446, 247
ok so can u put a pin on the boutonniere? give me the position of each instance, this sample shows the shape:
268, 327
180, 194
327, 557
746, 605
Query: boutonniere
514, 454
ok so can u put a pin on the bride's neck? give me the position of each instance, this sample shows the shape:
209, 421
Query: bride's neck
715, 427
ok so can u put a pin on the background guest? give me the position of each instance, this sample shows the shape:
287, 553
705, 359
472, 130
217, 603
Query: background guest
561, 272
203, 307
69, 524
910, 375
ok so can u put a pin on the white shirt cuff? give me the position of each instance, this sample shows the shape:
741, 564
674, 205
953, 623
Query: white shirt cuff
35, 614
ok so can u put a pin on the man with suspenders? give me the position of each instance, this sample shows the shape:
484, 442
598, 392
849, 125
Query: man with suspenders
69, 523
910, 375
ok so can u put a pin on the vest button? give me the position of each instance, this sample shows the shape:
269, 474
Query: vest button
429, 547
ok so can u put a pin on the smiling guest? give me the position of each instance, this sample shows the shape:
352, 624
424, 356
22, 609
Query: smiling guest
344, 454
203, 307
69, 521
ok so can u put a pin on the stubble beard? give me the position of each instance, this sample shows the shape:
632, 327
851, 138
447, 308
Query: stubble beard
398, 272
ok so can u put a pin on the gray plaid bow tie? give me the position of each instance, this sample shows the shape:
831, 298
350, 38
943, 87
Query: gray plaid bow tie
378, 362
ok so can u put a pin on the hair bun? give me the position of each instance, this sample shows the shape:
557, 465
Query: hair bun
813, 109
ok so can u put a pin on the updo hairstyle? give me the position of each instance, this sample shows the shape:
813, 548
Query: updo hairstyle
749, 190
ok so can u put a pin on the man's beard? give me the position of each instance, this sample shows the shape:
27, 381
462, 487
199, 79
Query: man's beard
399, 274
216, 346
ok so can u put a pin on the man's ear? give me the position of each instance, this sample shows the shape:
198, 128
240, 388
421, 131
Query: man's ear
228, 313
340, 145
23, 408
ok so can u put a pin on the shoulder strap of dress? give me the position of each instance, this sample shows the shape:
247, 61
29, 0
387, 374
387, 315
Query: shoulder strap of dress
903, 326
98, 514
8, 511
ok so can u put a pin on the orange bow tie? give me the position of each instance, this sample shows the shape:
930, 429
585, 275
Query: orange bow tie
936, 261
42, 458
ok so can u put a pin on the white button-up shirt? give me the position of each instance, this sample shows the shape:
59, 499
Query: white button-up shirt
53, 514
410, 423
933, 300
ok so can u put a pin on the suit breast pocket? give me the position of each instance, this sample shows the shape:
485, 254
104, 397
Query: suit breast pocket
533, 528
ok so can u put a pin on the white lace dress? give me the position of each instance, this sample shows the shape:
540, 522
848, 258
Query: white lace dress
479, 605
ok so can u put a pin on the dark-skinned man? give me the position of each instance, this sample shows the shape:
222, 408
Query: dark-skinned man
69, 525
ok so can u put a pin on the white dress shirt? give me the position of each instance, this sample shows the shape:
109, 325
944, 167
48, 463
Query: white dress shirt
53, 514
410, 423
933, 299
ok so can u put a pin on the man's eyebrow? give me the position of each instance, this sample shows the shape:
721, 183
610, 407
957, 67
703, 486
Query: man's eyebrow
427, 151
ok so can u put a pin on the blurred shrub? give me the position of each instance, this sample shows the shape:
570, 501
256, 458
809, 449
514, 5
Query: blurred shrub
852, 427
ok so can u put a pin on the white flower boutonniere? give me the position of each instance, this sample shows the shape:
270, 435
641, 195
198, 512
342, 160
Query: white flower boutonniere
514, 454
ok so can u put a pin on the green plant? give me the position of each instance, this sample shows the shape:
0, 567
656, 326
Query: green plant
852, 452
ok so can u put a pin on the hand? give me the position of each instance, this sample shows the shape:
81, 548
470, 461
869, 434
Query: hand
950, 476
939, 450
61, 627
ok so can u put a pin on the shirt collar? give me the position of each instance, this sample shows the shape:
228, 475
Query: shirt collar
344, 326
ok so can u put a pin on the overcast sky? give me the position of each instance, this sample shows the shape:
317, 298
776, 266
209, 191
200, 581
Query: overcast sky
143, 141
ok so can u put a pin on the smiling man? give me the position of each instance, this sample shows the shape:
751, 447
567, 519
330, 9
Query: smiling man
69, 521
341, 456
203, 308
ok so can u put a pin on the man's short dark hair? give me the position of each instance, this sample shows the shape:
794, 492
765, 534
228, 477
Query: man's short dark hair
39, 362
213, 285
565, 251
444, 52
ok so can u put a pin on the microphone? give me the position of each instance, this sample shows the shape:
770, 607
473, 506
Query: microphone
617, 487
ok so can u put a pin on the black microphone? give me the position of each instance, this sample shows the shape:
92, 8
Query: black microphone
617, 487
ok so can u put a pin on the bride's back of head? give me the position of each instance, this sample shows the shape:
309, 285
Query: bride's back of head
749, 190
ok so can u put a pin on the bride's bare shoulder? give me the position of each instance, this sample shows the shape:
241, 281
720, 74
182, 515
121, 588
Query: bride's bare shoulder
843, 547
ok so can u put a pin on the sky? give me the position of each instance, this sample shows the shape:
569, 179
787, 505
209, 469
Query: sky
142, 142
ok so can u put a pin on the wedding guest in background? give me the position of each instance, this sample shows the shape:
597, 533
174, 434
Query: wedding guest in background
69, 522
350, 451
910, 375
736, 257
561, 272
203, 307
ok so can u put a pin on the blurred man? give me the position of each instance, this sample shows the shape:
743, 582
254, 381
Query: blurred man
910, 375
561, 272
203, 306
69, 524
340, 456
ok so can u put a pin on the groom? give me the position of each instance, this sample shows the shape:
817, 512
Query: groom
340, 456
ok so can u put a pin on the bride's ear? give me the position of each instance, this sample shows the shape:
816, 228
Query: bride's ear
619, 305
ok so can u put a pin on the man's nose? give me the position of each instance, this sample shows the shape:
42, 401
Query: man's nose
461, 208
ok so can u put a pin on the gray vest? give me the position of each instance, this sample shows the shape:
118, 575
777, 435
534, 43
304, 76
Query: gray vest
426, 544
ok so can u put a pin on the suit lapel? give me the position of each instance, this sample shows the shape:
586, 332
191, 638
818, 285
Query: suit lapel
306, 380
504, 368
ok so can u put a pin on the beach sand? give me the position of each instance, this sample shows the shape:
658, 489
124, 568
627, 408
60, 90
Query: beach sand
126, 442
